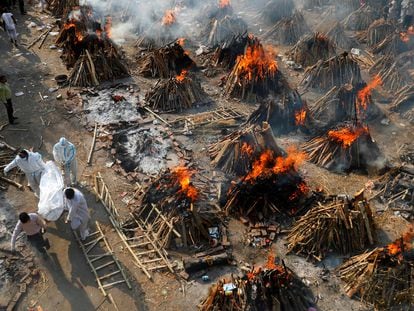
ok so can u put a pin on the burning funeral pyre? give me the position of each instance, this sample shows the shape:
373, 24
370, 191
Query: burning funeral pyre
255, 74
275, 10
273, 188
360, 19
275, 287
383, 276
388, 69
346, 103
176, 94
335, 71
336, 34
312, 48
288, 30
344, 148
89, 51
227, 53
174, 194
285, 112
221, 31
165, 62
339, 223
235, 153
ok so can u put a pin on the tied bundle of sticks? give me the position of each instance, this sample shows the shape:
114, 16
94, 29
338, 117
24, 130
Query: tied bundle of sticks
393, 44
395, 190
336, 33
180, 195
275, 287
377, 32
62, 7
360, 19
255, 74
335, 71
312, 48
341, 224
176, 94
387, 68
343, 148
383, 276
288, 30
165, 62
222, 30
275, 10
235, 153
226, 54
285, 112
272, 188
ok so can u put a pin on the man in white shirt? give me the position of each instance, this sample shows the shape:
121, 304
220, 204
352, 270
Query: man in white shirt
32, 165
78, 211
9, 25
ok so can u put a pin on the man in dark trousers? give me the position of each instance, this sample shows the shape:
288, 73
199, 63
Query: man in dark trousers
5, 98
34, 227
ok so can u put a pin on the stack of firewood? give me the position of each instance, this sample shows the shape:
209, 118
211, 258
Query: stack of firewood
378, 31
361, 18
235, 153
343, 148
383, 276
388, 70
275, 287
403, 102
395, 190
222, 30
339, 224
176, 94
336, 33
285, 112
312, 48
392, 44
335, 71
288, 30
165, 62
226, 54
62, 7
275, 10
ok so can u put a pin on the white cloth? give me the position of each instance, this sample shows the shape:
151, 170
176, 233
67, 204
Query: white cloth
8, 20
65, 154
78, 208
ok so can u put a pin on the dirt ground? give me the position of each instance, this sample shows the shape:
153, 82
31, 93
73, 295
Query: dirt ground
69, 283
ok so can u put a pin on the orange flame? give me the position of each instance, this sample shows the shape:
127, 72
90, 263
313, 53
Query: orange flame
256, 63
247, 149
267, 164
78, 34
224, 3
347, 135
300, 117
183, 176
404, 37
397, 247
180, 78
365, 93
302, 188
168, 18
270, 264
108, 26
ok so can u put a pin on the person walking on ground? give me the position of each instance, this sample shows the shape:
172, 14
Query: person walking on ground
34, 226
9, 26
32, 165
5, 98
64, 153
78, 211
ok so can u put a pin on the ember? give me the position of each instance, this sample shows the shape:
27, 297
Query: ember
183, 176
347, 135
182, 76
224, 3
365, 93
300, 117
401, 245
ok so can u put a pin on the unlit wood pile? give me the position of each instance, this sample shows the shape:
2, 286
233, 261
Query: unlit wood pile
255, 74
288, 30
312, 48
360, 19
176, 94
393, 44
275, 10
165, 62
341, 224
226, 54
335, 71
62, 7
388, 69
378, 31
223, 30
383, 276
336, 33
344, 148
285, 112
396, 190
235, 153
276, 287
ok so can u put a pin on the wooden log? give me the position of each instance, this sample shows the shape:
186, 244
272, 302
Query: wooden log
192, 265
93, 144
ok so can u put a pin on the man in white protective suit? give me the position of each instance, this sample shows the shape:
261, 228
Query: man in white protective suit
78, 211
32, 165
64, 153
